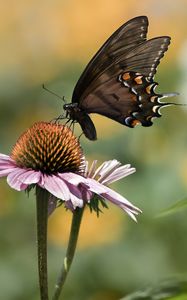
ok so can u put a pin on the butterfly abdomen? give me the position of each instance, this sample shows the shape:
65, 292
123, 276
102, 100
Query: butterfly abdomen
87, 125
78, 115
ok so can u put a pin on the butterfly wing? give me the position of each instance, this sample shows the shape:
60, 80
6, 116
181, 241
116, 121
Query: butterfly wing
122, 41
129, 100
123, 89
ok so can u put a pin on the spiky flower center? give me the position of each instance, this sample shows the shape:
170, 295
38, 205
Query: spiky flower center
49, 148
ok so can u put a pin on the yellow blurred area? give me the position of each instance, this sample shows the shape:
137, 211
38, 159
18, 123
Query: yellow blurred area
95, 230
37, 37
5, 206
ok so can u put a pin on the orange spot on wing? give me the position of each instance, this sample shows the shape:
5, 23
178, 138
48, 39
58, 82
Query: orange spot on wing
148, 89
134, 98
138, 79
135, 122
126, 76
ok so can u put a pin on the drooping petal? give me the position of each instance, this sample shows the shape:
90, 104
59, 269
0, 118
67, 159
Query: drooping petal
30, 177
118, 174
120, 201
92, 169
7, 165
112, 196
98, 170
94, 186
13, 179
56, 186
5, 172
69, 205
131, 214
5, 157
106, 169
72, 178
86, 168
76, 201
86, 194
23, 186
19, 179
76, 195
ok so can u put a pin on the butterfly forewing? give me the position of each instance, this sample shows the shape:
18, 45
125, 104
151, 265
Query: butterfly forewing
146, 57
143, 59
125, 38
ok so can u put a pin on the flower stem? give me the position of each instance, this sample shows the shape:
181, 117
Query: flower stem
42, 197
75, 226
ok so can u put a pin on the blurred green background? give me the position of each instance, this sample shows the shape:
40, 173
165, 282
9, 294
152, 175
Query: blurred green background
51, 42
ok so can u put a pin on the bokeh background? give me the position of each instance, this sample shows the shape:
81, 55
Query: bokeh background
51, 42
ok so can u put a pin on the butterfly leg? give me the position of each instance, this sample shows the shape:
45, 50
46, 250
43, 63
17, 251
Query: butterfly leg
56, 120
80, 136
68, 122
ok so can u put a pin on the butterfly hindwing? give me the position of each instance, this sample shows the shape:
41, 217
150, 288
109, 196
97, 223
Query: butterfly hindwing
129, 100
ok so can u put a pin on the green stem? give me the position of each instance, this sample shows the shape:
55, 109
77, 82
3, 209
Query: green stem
75, 226
42, 197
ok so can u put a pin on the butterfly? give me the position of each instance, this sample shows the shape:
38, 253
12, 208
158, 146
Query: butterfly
118, 82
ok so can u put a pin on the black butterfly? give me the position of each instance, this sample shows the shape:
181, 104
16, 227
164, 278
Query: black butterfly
118, 81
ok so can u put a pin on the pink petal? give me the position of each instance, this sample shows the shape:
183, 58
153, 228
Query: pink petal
109, 165
56, 186
72, 178
23, 186
19, 179
86, 168
6, 172
76, 195
112, 196
119, 200
6, 164
92, 169
68, 204
107, 168
30, 177
76, 201
86, 194
118, 174
13, 179
101, 167
4, 157
94, 186
131, 214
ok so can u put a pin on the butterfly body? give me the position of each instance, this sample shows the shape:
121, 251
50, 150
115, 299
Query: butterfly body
76, 114
119, 82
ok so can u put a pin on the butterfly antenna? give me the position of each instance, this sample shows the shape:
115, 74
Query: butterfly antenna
80, 136
51, 92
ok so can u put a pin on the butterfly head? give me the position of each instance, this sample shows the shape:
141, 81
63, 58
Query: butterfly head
70, 106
